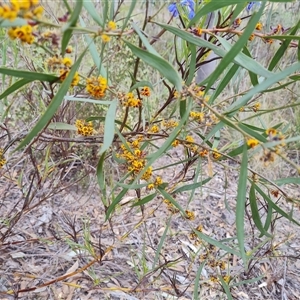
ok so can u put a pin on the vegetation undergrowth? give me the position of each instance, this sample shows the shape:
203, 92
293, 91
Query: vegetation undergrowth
109, 92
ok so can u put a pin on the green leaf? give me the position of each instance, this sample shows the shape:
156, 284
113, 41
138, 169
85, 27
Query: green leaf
67, 31
15, 23
129, 15
114, 203
197, 281
192, 186
240, 205
282, 49
146, 43
192, 68
235, 49
161, 243
145, 200
253, 76
61, 126
157, 63
274, 206
101, 178
93, 50
17, 85
255, 213
268, 218
241, 59
262, 87
225, 287
54, 104
29, 75
109, 126
218, 244
287, 180
224, 82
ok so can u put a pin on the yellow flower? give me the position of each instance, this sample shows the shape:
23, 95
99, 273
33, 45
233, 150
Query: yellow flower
145, 91
256, 107
190, 215
38, 11
150, 186
96, 86
271, 132
251, 37
169, 124
67, 61
216, 155
213, 279
2, 159
198, 31
147, 174
84, 128
111, 25
6, 12
203, 153
131, 101
154, 129
259, 26
175, 143
189, 139
158, 181
24, 33
75, 80
105, 38
252, 143
64, 73
198, 116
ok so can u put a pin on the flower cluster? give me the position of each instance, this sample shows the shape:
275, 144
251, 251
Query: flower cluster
84, 128
135, 158
63, 65
27, 9
63, 73
145, 91
23, 33
171, 207
111, 25
168, 124
197, 116
96, 86
157, 182
130, 101
2, 159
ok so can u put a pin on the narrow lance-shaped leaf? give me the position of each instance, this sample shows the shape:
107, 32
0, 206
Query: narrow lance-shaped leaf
71, 23
240, 59
255, 213
240, 205
262, 87
130, 10
157, 63
89, 6
109, 126
236, 48
17, 85
54, 104
29, 75
93, 51
282, 49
